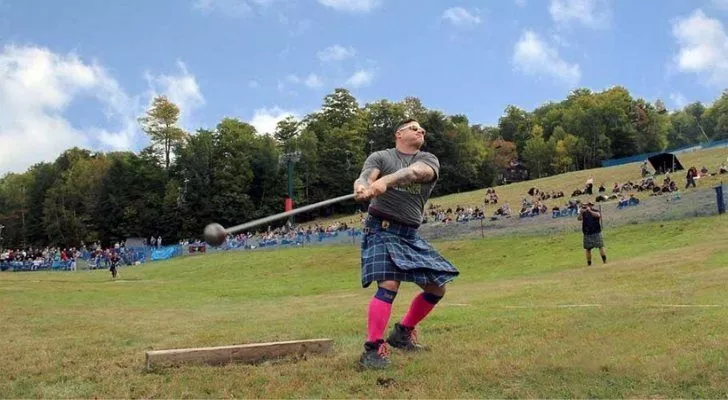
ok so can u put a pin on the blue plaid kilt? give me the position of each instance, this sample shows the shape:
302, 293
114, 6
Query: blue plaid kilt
395, 252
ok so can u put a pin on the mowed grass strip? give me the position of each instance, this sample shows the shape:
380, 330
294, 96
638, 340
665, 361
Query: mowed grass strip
527, 318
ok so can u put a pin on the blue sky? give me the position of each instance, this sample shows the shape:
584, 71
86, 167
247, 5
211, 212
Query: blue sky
80, 72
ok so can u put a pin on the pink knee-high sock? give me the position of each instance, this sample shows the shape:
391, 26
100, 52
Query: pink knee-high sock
380, 309
421, 305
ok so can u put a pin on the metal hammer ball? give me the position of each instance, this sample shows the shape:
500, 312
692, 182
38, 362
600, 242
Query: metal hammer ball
215, 234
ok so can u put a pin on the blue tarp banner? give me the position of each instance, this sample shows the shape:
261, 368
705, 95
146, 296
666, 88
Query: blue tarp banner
165, 253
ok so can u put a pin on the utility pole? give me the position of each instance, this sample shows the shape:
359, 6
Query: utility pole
290, 158
22, 213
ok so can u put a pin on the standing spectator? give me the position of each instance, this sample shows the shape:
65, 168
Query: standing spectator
591, 227
690, 177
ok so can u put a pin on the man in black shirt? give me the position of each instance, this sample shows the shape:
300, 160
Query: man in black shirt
592, 228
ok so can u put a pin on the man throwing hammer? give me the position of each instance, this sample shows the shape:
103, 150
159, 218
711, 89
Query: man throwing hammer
398, 181
592, 228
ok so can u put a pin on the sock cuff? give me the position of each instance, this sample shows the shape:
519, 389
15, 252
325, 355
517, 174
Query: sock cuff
385, 295
431, 298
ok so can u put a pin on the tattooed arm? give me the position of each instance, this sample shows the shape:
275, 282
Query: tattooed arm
368, 175
418, 172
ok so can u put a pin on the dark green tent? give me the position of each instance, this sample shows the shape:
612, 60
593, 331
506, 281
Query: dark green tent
665, 162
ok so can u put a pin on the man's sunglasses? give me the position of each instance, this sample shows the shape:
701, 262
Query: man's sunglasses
413, 128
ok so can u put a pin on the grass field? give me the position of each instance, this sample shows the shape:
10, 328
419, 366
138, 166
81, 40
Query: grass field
526, 318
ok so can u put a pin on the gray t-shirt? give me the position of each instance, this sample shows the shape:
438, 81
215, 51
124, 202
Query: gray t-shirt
403, 203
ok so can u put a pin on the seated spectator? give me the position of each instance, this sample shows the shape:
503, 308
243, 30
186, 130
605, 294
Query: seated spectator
504, 210
490, 197
588, 188
525, 211
623, 202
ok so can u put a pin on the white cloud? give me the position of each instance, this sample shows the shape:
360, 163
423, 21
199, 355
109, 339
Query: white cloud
591, 13
521, 3
352, 6
181, 89
533, 56
461, 17
253, 84
678, 99
37, 87
231, 8
721, 4
265, 120
702, 47
293, 78
313, 81
335, 53
281, 86
360, 78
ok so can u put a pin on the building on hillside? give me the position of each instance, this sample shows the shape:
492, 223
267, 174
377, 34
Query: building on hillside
515, 172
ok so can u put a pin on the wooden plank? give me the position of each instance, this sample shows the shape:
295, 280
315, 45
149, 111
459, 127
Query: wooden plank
245, 353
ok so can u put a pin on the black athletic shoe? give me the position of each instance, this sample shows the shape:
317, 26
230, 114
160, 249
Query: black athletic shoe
404, 338
375, 356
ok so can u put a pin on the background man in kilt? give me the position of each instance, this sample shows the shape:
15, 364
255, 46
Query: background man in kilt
592, 228
398, 181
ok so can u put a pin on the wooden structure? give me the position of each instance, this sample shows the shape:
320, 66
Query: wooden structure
515, 172
246, 353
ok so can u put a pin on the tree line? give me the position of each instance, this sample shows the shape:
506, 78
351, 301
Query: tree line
231, 174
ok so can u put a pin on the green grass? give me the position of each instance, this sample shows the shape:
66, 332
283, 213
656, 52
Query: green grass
525, 319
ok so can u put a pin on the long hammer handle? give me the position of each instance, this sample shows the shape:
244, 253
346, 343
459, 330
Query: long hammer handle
248, 225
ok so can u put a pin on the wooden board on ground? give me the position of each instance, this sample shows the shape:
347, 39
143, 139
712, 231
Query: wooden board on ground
245, 353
